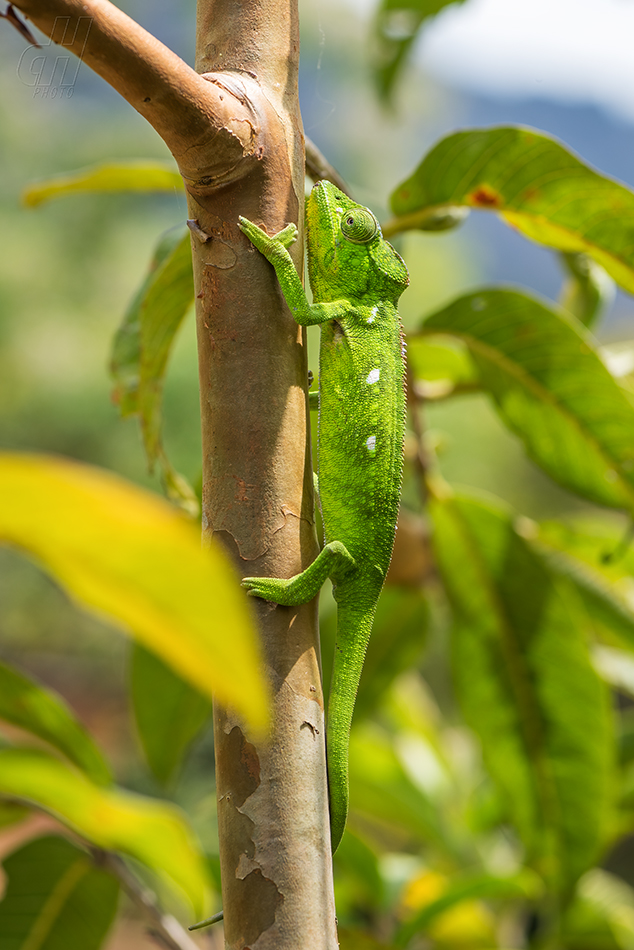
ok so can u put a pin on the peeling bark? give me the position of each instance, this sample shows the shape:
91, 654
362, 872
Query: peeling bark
234, 128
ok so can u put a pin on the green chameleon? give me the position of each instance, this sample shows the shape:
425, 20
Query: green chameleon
356, 278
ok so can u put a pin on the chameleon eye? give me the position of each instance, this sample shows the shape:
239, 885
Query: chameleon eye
359, 225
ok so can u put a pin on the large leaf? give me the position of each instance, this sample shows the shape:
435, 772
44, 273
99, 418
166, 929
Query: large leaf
397, 25
142, 346
125, 552
153, 832
40, 711
56, 899
140, 175
551, 388
527, 685
535, 184
168, 712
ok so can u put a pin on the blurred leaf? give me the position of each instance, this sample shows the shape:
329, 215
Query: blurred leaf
155, 833
535, 184
40, 711
381, 790
551, 388
440, 365
56, 899
125, 552
397, 641
585, 556
527, 686
397, 25
140, 175
616, 667
142, 346
588, 290
168, 712
468, 889
11, 813
601, 916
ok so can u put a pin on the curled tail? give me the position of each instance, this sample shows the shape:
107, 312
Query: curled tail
354, 625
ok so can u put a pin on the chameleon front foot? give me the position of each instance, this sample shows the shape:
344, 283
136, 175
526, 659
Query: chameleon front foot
265, 244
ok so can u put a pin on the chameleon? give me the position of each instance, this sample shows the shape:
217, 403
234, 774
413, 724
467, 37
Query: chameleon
356, 279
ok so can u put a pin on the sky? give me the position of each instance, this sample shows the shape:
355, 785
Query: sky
571, 50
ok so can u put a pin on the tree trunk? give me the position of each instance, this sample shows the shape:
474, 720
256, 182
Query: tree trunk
236, 135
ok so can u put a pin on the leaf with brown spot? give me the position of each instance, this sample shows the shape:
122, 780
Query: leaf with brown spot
534, 183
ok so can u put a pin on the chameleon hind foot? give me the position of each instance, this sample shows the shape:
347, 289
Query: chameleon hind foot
334, 559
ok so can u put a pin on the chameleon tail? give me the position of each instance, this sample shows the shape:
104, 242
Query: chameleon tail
354, 625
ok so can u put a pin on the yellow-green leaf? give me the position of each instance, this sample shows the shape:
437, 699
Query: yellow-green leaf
26, 704
153, 832
141, 175
129, 554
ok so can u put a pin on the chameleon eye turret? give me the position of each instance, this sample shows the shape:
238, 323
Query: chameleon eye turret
359, 225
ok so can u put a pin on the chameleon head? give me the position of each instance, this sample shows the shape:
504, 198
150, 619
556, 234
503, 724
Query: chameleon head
347, 254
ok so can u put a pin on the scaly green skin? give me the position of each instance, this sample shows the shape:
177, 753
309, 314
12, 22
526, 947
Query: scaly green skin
356, 282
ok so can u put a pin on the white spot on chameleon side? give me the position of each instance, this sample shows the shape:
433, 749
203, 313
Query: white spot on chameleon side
373, 314
373, 376
370, 443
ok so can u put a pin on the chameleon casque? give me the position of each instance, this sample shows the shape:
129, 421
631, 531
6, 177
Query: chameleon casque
356, 278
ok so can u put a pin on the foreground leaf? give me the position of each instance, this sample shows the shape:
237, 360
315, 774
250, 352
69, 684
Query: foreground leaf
527, 686
23, 703
153, 832
142, 346
551, 388
535, 184
126, 553
141, 175
56, 899
168, 712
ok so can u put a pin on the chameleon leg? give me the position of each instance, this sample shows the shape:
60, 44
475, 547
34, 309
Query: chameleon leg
333, 560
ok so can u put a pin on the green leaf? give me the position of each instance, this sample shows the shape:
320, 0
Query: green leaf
526, 682
168, 712
143, 344
56, 899
141, 175
397, 25
588, 290
592, 558
551, 388
40, 711
153, 832
535, 184
523, 886
125, 552
440, 366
